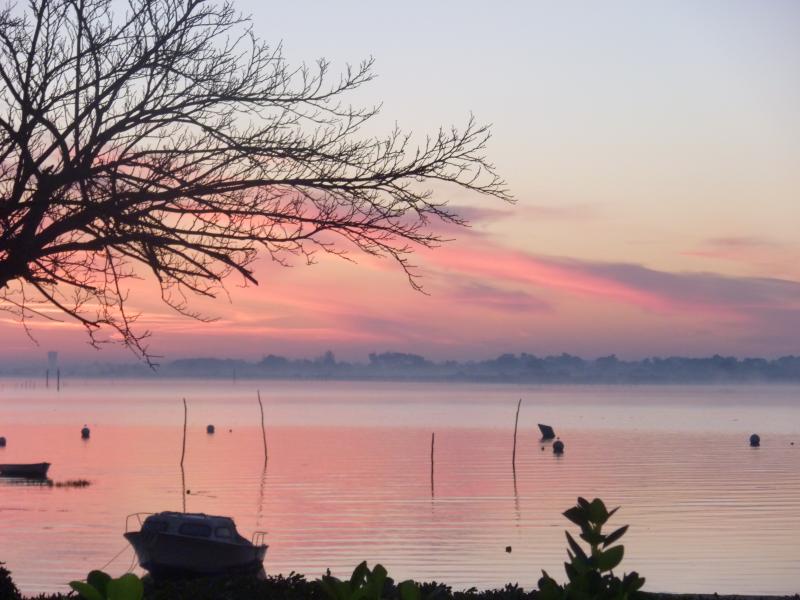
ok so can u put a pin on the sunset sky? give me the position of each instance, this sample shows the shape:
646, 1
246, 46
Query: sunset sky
654, 151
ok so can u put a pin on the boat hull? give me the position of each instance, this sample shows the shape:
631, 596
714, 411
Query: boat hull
169, 555
28, 471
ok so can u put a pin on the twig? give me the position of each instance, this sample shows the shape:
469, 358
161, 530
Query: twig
263, 430
516, 422
183, 454
433, 439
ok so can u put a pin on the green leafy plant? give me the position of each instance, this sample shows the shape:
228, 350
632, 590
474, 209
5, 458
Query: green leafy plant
590, 573
101, 586
366, 584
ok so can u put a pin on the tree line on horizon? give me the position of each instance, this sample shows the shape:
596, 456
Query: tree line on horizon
508, 367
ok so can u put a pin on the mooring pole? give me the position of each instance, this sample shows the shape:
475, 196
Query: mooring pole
516, 422
263, 430
183, 454
433, 441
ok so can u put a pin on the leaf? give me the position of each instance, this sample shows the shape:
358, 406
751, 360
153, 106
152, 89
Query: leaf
127, 587
577, 515
409, 590
572, 572
614, 536
549, 589
85, 590
632, 581
610, 558
99, 581
576, 547
359, 575
592, 537
598, 512
375, 581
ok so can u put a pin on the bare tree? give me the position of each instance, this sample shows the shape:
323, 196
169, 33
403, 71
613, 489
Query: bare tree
170, 140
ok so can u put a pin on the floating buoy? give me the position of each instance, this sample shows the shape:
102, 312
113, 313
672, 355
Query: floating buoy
209, 429
85, 433
755, 440
558, 447
508, 549
2, 442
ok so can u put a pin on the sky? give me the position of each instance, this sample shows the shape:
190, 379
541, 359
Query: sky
654, 152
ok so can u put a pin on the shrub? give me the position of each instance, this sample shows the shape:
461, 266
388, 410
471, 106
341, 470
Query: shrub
8, 588
100, 586
590, 574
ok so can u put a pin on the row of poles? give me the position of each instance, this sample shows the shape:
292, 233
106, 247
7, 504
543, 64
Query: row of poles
266, 453
183, 445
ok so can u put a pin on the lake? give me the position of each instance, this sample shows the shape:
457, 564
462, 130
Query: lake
349, 477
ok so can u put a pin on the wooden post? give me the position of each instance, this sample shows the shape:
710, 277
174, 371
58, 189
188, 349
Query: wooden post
47, 378
263, 430
183, 454
433, 441
516, 422
185, 415
58, 380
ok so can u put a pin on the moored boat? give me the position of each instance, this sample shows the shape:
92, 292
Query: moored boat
28, 471
193, 544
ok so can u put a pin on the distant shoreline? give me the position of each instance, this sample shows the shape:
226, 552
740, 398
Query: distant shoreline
402, 367
37, 381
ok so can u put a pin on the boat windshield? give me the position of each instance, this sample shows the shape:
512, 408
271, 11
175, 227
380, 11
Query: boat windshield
195, 529
154, 525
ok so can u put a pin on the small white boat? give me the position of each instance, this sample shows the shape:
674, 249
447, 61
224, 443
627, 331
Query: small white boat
192, 544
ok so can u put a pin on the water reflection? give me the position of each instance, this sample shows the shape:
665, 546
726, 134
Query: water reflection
707, 512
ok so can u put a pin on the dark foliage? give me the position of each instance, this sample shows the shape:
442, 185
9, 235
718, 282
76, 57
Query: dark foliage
8, 590
591, 573
163, 138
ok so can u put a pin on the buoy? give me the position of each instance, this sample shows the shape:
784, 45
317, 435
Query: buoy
755, 440
558, 447
85, 433
508, 549
209, 429
2, 442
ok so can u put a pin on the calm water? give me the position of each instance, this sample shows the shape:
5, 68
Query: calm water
349, 477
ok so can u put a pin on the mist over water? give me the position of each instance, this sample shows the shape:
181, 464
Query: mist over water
349, 477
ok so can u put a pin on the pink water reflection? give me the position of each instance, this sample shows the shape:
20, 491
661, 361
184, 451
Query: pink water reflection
707, 512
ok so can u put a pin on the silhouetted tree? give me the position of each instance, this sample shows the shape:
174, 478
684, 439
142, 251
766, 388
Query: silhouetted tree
170, 140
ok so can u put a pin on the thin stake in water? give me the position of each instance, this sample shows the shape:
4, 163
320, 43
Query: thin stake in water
183, 454
263, 430
433, 440
516, 422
